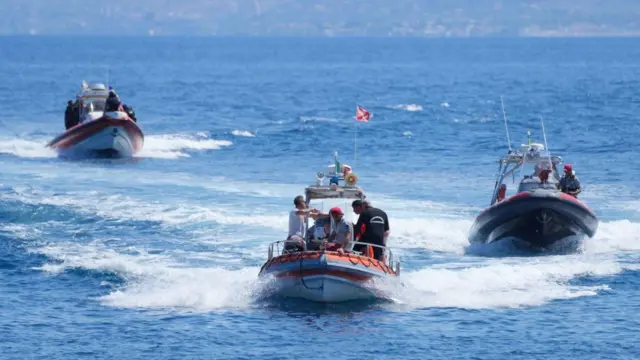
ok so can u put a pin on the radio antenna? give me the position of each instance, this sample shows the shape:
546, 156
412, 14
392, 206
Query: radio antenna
504, 116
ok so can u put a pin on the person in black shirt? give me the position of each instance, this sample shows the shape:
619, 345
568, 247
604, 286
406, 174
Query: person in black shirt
68, 115
113, 102
71, 115
372, 228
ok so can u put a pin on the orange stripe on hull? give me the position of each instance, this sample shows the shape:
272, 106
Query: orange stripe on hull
352, 259
314, 272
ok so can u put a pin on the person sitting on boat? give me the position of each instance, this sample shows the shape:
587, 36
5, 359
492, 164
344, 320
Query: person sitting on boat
372, 228
341, 235
318, 233
569, 184
113, 102
297, 227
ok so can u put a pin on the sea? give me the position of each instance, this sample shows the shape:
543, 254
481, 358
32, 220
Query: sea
157, 257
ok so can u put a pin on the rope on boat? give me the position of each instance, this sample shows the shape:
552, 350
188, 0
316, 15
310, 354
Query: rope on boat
302, 277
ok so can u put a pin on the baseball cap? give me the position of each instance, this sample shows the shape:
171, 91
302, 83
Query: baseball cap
336, 210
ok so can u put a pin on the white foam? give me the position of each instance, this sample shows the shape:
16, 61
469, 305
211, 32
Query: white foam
434, 234
521, 282
614, 237
408, 107
172, 146
193, 289
168, 146
157, 281
26, 148
245, 133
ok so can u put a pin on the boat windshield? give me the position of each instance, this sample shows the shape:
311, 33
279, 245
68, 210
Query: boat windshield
91, 105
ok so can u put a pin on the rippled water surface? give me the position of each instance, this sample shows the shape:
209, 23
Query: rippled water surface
158, 257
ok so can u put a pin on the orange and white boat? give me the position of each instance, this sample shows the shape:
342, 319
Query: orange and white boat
92, 131
320, 275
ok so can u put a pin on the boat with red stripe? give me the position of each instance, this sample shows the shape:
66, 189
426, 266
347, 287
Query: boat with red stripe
539, 212
313, 269
97, 128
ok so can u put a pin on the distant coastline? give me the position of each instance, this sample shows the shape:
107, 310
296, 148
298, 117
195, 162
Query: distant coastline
549, 34
325, 18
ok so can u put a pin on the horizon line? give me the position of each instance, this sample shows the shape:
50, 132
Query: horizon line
491, 36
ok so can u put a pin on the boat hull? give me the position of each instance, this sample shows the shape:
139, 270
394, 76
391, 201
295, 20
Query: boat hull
112, 136
327, 277
541, 218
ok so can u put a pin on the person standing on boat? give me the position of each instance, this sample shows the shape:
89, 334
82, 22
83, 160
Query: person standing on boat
68, 115
341, 234
569, 184
297, 222
113, 102
372, 227
72, 114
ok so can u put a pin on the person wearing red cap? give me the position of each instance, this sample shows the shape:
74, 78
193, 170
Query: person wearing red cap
569, 184
341, 234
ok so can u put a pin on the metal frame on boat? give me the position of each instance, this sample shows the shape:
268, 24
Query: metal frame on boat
531, 153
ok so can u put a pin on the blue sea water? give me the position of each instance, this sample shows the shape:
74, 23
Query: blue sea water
158, 257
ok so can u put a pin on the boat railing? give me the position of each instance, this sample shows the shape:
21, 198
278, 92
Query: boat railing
389, 258
276, 248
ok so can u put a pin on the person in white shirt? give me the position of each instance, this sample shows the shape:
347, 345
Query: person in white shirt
297, 222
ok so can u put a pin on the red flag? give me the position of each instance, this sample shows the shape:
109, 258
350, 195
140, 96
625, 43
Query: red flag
362, 114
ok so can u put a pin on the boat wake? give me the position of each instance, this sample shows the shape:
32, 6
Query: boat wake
192, 256
182, 280
164, 146
173, 146
26, 148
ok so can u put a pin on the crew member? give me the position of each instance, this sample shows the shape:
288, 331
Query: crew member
113, 102
341, 234
372, 228
297, 224
569, 183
